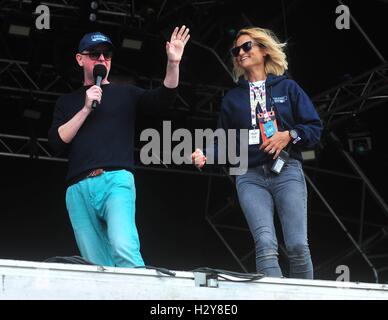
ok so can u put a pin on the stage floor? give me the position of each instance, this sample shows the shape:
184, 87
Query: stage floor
39, 280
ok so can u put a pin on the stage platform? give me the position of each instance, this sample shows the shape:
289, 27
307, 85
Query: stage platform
39, 280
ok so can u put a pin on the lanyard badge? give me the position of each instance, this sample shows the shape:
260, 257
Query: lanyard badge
254, 137
268, 125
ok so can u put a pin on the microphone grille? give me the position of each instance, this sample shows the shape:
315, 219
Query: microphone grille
99, 70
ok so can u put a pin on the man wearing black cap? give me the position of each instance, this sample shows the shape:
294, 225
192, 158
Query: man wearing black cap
100, 197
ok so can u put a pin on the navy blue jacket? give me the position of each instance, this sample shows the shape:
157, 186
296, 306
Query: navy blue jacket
293, 108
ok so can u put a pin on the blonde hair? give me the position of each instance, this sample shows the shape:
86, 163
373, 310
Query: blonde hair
275, 61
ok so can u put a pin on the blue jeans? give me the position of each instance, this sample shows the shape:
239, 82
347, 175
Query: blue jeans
260, 191
102, 213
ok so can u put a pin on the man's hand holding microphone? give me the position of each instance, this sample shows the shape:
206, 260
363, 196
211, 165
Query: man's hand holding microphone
198, 158
94, 93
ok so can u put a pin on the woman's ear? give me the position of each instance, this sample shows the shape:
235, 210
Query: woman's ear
265, 52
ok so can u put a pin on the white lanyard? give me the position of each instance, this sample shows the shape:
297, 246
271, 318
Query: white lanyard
257, 95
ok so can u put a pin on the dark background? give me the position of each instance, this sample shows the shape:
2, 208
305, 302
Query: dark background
171, 205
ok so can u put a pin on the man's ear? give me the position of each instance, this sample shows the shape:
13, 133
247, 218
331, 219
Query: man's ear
78, 57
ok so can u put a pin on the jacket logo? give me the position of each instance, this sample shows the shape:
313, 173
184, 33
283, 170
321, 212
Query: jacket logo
280, 99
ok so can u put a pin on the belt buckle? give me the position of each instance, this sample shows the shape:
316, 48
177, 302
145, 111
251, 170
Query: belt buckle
95, 173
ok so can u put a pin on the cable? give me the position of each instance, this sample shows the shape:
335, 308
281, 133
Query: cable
70, 260
246, 277
159, 269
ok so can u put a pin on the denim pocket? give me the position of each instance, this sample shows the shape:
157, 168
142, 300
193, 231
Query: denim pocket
293, 163
293, 169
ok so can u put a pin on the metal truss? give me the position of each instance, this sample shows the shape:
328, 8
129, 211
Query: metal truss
17, 146
334, 106
26, 147
109, 12
207, 97
16, 81
353, 97
377, 232
117, 13
363, 33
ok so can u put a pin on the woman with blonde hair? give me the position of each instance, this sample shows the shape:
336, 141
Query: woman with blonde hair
281, 122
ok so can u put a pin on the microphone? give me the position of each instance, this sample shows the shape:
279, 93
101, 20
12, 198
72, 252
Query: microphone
99, 73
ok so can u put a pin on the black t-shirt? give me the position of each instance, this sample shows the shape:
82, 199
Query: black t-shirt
106, 138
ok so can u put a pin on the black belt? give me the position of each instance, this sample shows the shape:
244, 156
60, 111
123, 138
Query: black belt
91, 174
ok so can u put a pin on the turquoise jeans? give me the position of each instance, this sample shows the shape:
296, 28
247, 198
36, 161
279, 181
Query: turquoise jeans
102, 213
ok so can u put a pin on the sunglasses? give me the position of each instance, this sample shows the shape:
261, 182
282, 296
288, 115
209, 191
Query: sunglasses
95, 54
246, 46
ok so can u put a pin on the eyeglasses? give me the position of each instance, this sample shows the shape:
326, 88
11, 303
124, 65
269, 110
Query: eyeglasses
246, 46
95, 55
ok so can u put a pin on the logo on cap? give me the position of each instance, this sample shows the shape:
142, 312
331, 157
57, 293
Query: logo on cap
99, 37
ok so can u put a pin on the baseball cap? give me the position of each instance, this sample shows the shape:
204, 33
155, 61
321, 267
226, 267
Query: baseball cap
92, 39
